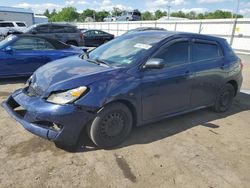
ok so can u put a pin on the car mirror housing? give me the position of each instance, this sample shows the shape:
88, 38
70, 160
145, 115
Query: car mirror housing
154, 63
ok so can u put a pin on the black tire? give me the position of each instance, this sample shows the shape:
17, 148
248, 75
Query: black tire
105, 41
74, 43
111, 126
224, 99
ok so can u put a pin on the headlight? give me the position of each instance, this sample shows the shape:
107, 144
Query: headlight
67, 96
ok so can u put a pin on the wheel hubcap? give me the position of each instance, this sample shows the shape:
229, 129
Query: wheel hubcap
112, 125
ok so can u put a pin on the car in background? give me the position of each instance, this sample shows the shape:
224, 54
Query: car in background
94, 37
110, 19
133, 80
139, 29
21, 55
82, 29
11, 27
134, 15
65, 33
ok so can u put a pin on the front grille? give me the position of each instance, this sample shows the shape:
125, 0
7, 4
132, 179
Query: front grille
16, 107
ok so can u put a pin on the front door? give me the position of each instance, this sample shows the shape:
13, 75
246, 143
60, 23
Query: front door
167, 90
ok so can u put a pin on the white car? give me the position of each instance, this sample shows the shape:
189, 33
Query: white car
109, 19
8, 27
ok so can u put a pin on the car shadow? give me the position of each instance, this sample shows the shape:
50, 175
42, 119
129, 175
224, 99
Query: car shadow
20, 80
171, 126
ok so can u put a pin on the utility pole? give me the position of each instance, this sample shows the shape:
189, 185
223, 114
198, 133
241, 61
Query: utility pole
235, 22
168, 11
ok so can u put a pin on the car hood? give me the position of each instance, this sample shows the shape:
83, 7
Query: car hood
69, 73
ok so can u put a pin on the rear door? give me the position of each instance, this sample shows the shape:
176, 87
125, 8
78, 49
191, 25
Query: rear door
90, 38
29, 53
209, 69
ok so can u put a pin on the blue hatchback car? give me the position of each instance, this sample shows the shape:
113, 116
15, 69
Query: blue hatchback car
132, 80
21, 55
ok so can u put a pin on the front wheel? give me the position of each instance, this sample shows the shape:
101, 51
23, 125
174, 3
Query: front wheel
224, 99
74, 43
111, 126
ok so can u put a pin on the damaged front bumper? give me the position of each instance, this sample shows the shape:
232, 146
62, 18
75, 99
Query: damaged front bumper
58, 123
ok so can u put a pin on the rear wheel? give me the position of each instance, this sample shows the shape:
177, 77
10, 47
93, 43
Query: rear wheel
224, 99
105, 41
111, 126
74, 43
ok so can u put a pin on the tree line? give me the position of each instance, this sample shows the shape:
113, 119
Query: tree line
70, 14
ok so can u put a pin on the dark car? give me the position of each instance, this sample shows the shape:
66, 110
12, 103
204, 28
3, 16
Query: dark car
130, 81
96, 38
66, 33
21, 55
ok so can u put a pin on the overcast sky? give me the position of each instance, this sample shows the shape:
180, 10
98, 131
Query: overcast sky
38, 6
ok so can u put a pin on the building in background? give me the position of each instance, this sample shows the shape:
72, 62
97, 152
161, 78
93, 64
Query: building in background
17, 14
41, 19
166, 18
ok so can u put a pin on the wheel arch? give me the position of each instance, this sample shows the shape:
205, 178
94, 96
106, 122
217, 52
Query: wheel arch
130, 106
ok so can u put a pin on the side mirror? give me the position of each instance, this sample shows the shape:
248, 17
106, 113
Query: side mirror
8, 49
154, 63
33, 31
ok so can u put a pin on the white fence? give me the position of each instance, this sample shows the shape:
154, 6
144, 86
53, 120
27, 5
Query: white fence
219, 27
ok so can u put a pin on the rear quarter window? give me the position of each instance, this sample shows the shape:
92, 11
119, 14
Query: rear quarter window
56, 29
20, 24
203, 51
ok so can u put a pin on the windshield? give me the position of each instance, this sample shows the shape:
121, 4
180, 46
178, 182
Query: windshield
29, 28
6, 40
124, 50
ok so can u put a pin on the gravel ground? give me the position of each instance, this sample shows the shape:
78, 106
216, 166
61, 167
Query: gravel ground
199, 149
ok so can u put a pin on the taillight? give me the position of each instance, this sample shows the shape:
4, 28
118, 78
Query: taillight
241, 64
82, 35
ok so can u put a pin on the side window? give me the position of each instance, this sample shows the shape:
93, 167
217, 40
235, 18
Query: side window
42, 29
20, 24
98, 33
202, 51
101, 33
7, 24
56, 29
32, 43
175, 54
90, 33
70, 29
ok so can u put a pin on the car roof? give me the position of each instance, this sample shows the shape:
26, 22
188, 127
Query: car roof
57, 44
59, 24
166, 34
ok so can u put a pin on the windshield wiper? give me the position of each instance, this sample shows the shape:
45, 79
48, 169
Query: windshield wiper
97, 61
102, 62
